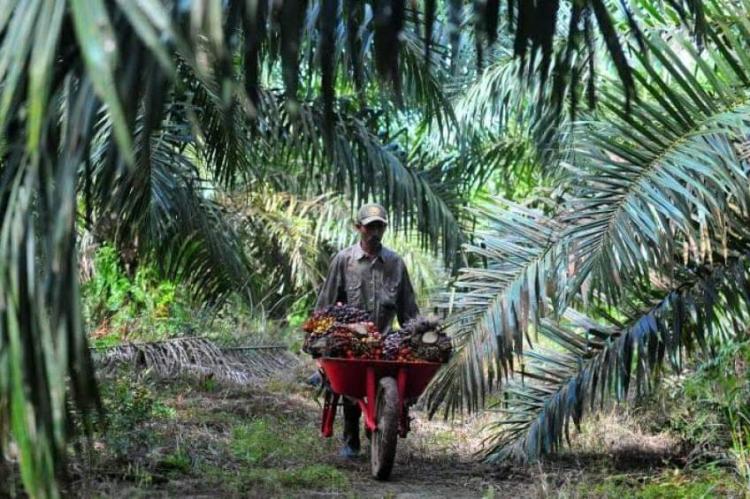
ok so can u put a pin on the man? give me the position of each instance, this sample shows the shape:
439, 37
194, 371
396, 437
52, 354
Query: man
372, 278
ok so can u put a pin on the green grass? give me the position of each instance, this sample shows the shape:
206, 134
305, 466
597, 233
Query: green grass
209, 385
278, 481
316, 476
256, 442
706, 482
276, 456
264, 441
174, 432
178, 462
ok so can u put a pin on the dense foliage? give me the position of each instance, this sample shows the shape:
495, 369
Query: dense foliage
638, 261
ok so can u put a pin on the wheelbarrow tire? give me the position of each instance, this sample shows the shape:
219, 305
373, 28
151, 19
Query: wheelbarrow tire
385, 437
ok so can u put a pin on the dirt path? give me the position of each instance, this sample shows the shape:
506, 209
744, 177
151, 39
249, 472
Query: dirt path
437, 460
202, 440
422, 477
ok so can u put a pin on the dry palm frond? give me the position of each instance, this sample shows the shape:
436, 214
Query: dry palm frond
196, 357
262, 361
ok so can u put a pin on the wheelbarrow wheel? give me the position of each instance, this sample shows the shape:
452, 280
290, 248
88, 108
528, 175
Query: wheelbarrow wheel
385, 437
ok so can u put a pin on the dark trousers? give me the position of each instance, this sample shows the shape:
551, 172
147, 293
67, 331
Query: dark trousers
351, 423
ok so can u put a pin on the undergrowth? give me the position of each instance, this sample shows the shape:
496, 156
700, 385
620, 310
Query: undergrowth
705, 413
131, 405
709, 410
118, 307
170, 437
669, 484
145, 307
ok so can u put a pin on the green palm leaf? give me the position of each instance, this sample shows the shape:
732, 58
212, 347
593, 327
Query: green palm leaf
603, 362
287, 238
663, 173
645, 186
495, 305
362, 165
41, 338
171, 214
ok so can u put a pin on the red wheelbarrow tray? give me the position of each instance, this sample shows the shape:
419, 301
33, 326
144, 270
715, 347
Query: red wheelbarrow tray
358, 378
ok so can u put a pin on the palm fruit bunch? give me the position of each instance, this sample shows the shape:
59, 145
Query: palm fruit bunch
397, 346
369, 346
359, 340
421, 339
341, 331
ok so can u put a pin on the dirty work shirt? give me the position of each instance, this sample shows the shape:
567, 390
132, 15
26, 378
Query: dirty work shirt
379, 285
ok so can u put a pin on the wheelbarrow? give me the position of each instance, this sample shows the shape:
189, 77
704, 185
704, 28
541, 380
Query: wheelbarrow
381, 388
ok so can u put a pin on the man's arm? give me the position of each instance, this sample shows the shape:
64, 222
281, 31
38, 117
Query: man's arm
333, 288
407, 305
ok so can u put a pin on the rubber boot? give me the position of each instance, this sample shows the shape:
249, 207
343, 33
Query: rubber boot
352, 413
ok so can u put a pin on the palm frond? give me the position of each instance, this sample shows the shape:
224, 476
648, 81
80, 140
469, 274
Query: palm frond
264, 361
495, 109
195, 356
423, 82
491, 99
512, 162
663, 173
496, 304
220, 132
168, 211
599, 363
41, 338
428, 274
363, 166
650, 187
286, 237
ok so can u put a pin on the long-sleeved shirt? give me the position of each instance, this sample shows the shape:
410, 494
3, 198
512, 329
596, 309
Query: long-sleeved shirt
378, 285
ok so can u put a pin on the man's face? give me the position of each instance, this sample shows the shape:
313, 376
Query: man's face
372, 233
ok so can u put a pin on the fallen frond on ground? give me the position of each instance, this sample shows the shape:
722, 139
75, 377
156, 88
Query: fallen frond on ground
262, 360
198, 357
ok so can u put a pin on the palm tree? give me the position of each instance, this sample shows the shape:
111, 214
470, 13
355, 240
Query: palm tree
644, 259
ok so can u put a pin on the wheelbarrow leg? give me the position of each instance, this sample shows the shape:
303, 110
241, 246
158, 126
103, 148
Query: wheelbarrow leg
403, 419
368, 408
329, 413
